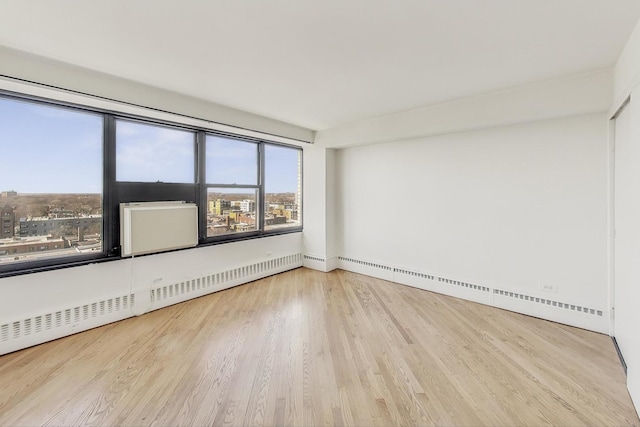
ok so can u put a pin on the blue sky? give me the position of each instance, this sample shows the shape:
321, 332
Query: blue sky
153, 153
49, 150
58, 150
281, 169
230, 161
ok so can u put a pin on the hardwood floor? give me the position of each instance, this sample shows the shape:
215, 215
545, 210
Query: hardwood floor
309, 348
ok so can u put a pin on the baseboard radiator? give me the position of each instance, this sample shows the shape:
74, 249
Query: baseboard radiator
163, 296
546, 307
26, 332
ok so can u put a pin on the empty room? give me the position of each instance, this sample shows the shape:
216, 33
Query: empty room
312, 213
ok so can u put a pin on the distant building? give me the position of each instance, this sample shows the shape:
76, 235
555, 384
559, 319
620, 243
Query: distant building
60, 213
217, 229
220, 206
241, 217
240, 227
275, 220
62, 226
7, 222
20, 246
247, 206
8, 193
247, 219
298, 198
289, 214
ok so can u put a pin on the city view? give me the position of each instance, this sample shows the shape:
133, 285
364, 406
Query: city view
236, 212
34, 226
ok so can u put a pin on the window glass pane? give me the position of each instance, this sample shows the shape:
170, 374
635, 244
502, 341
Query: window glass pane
230, 161
283, 187
149, 153
50, 182
231, 210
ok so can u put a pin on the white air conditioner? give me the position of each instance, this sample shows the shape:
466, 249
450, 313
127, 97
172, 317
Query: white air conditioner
149, 227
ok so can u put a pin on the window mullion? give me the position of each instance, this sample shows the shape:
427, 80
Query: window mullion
201, 181
110, 210
261, 209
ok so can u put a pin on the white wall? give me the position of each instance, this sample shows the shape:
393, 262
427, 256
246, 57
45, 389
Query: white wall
332, 215
627, 315
627, 240
319, 211
516, 208
518, 177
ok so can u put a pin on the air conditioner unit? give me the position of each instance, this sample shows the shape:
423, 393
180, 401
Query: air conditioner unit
149, 227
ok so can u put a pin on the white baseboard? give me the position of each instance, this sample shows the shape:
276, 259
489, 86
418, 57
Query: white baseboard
554, 309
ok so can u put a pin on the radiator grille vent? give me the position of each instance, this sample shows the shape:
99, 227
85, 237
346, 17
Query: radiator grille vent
366, 263
442, 279
550, 302
418, 274
223, 277
464, 284
414, 273
67, 317
314, 258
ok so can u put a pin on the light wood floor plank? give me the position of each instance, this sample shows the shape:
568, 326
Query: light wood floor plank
311, 348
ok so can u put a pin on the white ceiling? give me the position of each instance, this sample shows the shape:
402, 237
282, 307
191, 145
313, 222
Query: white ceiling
323, 63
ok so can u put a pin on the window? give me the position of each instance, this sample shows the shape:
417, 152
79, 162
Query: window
151, 153
283, 187
63, 149
232, 186
252, 186
231, 210
231, 161
64, 207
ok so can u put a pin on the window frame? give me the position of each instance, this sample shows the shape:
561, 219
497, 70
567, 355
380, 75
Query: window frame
260, 203
151, 123
300, 202
70, 260
115, 192
204, 237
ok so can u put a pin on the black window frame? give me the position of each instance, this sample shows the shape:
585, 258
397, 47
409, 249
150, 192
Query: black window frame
164, 125
115, 192
258, 186
68, 260
300, 201
260, 202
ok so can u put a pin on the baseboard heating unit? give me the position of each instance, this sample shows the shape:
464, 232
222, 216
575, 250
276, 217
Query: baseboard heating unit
17, 334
